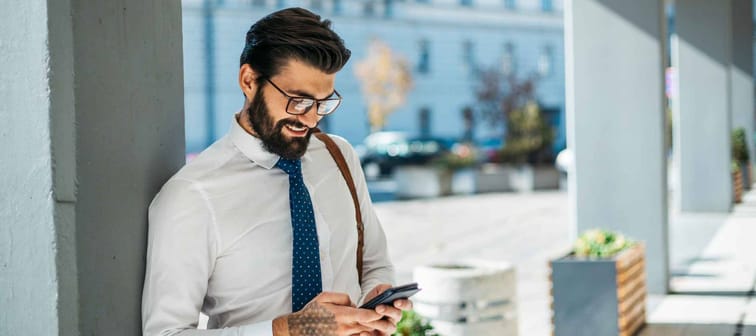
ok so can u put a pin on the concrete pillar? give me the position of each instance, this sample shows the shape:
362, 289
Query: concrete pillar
701, 52
615, 123
741, 71
38, 286
92, 111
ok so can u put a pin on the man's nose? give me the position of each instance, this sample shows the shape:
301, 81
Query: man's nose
310, 118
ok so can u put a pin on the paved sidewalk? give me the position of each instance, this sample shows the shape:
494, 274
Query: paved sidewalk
524, 229
713, 259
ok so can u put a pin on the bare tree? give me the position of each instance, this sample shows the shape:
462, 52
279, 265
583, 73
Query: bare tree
385, 80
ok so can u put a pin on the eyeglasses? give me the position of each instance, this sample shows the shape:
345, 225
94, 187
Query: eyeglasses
302, 105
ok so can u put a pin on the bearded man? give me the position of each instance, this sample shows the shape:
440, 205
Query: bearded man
258, 231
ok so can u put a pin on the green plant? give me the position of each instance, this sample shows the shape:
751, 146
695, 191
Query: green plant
508, 102
460, 157
598, 243
413, 324
529, 136
734, 166
739, 145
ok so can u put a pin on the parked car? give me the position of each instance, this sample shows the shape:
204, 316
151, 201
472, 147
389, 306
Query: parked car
381, 152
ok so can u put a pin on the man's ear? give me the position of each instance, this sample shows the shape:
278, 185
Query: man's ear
247, 82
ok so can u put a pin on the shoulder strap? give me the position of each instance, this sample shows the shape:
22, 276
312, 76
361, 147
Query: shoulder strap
344, 168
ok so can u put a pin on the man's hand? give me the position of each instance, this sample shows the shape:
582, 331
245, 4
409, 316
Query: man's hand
392, 313
331, 314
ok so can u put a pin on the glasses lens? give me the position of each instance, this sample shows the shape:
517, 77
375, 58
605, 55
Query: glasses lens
300, 105
328, 106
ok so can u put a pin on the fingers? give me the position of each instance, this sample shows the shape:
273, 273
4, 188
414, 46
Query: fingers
393, 313
382, 326
375, 291
354, 329
341, 299
403, 304
347, 315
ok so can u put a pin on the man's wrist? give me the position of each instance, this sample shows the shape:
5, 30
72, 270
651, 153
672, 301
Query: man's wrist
281, 326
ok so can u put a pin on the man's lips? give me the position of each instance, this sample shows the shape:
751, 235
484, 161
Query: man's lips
297, 130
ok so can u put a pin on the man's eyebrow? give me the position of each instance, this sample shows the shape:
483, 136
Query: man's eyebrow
302, 93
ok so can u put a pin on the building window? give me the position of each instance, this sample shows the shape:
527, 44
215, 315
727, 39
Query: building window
510, 4
508, 60
423, 61
424, 121
258, 3
468, 55
337, 6
547, 5
545, 61
388, 8
466, 3
316, 5
368, 8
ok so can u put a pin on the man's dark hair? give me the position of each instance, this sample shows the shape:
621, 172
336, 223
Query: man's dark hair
293, 33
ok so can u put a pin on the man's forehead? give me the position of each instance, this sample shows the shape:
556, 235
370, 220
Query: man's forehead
300, 78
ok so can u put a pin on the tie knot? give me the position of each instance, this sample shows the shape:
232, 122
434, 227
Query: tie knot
291, 167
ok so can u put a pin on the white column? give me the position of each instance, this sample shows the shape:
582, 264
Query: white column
38, 286
701, 52
93, 124
615, 123
741, 71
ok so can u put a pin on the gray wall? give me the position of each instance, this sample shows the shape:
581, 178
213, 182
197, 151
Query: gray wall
86, 143
37, 260
615, 123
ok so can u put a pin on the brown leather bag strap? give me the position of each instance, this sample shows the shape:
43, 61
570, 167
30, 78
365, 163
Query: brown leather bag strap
345, 172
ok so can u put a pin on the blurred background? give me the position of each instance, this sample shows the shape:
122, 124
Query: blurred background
426, 79
458, 110
566, 167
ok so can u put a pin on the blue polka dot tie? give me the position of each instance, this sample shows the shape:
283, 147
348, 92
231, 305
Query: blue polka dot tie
305, 275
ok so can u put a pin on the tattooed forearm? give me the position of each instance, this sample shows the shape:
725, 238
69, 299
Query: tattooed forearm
313, 320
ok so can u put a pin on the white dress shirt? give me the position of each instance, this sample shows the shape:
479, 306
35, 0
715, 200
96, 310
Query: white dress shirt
220, 238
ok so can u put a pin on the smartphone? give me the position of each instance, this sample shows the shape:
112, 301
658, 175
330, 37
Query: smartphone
392, 294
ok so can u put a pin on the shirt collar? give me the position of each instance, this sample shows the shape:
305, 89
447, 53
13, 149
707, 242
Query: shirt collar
251, 146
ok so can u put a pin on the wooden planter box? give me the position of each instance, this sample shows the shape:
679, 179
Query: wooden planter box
599, 296
737, 186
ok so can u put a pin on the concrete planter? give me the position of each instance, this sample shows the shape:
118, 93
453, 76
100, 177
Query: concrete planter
599, 296
529, 178
494, 177
468, 298
422, 182
464, 181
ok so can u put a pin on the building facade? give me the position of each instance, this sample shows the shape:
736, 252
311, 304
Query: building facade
443, 41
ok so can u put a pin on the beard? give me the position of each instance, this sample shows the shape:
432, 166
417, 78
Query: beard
271, 134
